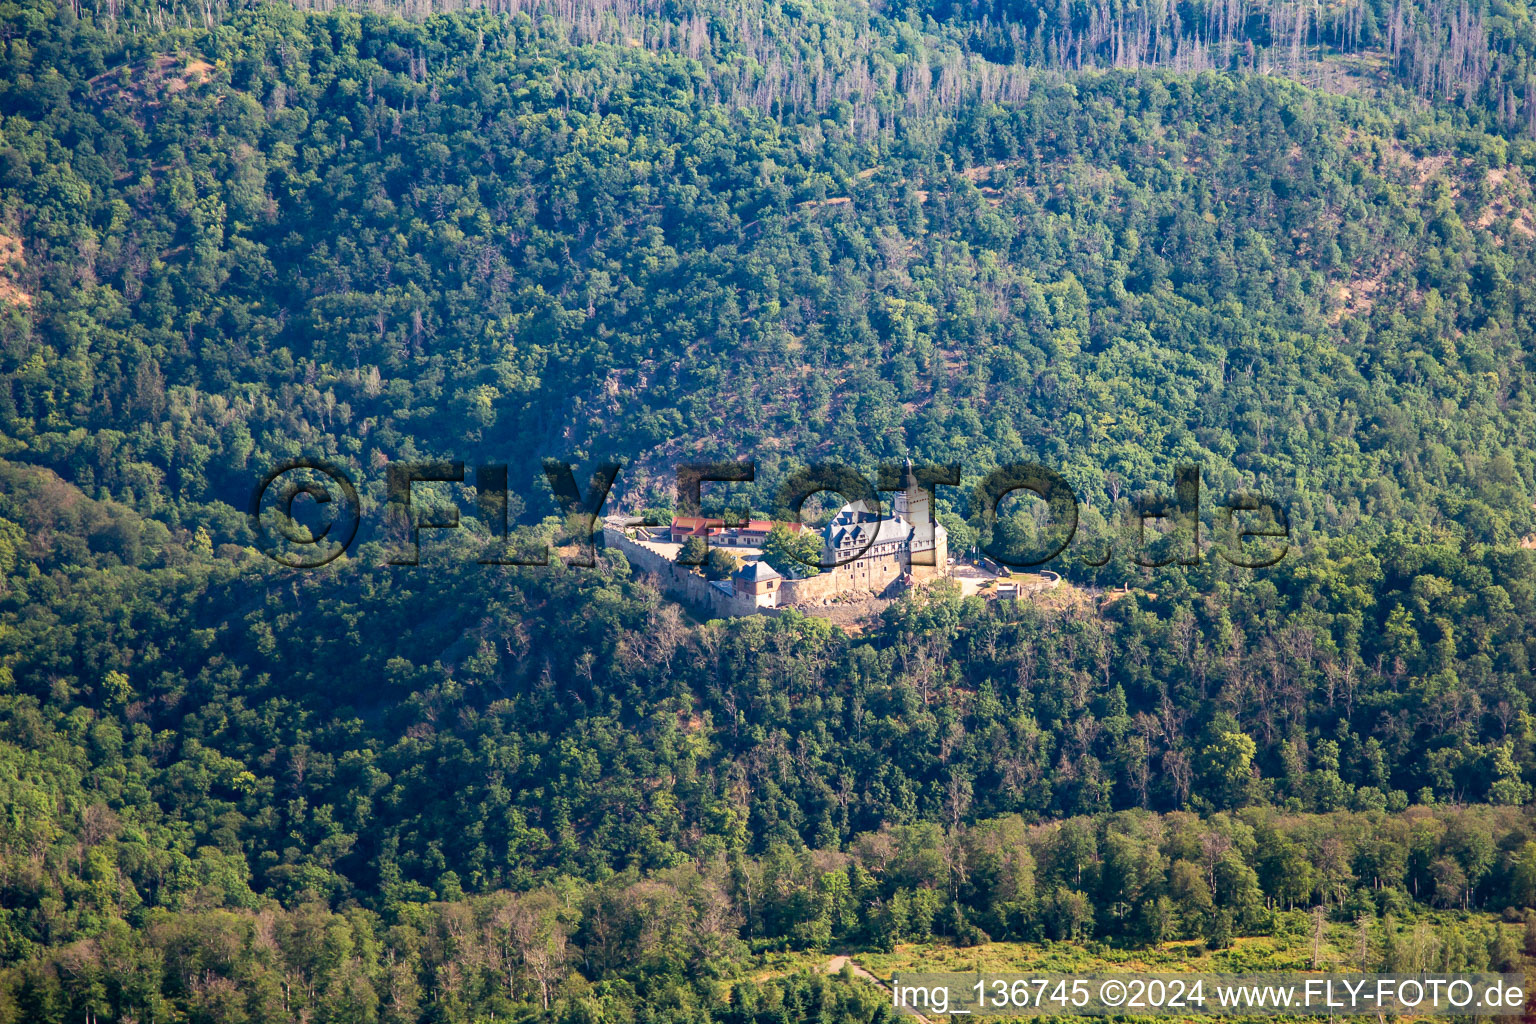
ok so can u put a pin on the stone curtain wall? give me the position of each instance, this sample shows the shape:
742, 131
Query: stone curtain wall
810, 596
677, 582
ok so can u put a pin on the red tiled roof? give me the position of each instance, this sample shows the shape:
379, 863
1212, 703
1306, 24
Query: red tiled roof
692, 524
696, 526
764, 525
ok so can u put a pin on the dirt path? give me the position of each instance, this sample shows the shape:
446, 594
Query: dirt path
837, 963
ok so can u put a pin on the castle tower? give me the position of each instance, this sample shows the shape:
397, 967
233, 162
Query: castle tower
902, 503
757, 580
928, 544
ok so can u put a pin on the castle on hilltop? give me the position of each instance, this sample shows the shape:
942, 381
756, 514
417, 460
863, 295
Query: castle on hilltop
879, 556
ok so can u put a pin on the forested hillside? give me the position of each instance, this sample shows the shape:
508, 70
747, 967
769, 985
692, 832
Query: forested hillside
1289, 244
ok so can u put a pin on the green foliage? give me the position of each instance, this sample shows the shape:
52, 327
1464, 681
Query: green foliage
721, 563
693, 551
793, 555
798, 231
